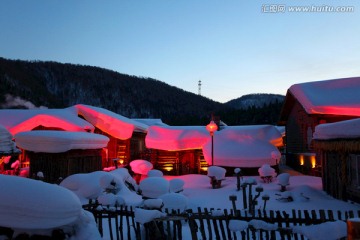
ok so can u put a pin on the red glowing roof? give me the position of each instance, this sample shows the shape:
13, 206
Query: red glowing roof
20, 120
112, 123
335, 97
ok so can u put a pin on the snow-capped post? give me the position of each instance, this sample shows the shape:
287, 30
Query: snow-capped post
233, 198
212, 127
265, 198
353, 228
237, 172
115, 160
283, 180
244, 186
253, 202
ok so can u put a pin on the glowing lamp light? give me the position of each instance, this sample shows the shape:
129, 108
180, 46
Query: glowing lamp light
212, 127
121, 161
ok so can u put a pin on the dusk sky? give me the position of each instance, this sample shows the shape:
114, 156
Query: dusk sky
235, 47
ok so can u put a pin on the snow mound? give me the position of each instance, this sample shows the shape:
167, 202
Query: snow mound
174, 201
324, 231
144, 216
176, 185
155, 173
283, 179
59, 141
140, 166
91, 185
154, 187
238, 225
49, 206
217, 172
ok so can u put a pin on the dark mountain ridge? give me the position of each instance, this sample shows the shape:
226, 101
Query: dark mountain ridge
59, 85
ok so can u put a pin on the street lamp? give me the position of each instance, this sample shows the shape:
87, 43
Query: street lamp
212, 127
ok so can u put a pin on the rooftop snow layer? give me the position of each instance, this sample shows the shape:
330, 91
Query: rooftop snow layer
112, 123
59, 141
20, 120
338, 130
338, 97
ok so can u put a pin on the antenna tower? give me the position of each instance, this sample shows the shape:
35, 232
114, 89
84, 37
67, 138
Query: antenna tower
199, 84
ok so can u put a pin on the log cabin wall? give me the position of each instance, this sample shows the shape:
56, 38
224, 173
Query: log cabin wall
299, 128
56, 165
116, 149
178, 162
341, 167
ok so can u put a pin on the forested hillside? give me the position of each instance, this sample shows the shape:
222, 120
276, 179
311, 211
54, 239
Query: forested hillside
57, 85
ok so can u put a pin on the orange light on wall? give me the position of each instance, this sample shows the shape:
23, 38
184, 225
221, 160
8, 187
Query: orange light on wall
313, 161
301, 160
204, 169
168, 169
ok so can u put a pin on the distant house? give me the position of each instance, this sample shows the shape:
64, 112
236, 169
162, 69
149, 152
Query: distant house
338, 145
60, 153
310, 104
187, 149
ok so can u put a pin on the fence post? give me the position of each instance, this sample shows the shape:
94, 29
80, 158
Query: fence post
353, 228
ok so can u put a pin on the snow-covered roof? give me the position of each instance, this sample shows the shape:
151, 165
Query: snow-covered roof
338, 130
245, 146
112, 123
59, 141
7, 146
173, 138
20, 120
233, 146
32, 204
336, 97
151, 121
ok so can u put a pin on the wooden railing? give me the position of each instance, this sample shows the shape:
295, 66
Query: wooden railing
119, 223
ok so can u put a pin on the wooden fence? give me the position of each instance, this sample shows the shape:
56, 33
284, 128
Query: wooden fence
119, 223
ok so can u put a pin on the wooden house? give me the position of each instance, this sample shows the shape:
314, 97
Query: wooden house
23, 120
310, 104
127, 136
188, 149
338, 145
58, 154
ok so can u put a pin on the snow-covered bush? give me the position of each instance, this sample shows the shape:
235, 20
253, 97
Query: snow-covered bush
174, 201
216, 175
156, 203
267, 173
155, 173
143, 216
92, 185
141, 166
176, 185
283, 180
154, 187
